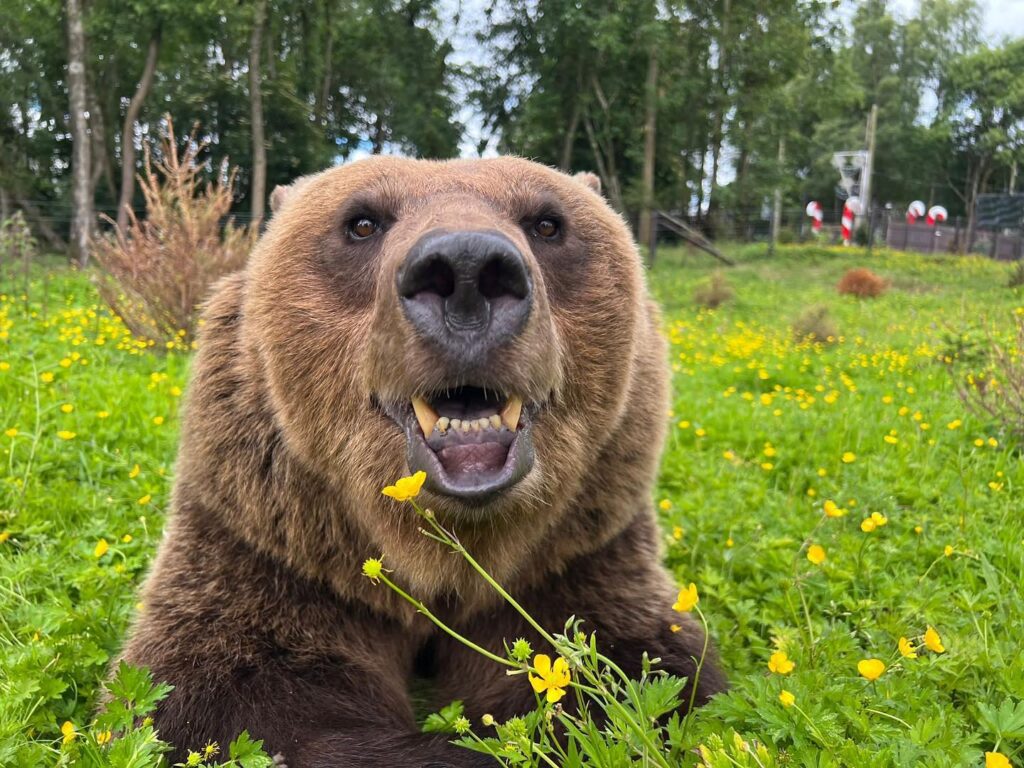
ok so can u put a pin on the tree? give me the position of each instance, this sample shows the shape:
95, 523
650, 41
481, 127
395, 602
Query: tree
984, 109
259, 148
131, 116
81, 183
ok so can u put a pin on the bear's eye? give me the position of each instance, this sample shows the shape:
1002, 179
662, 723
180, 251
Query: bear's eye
363, 227
546, 228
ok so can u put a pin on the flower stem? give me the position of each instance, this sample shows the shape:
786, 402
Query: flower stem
426, 612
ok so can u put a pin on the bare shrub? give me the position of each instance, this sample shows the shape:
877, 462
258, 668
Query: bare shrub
158, 269
1016, 275
995, 390
816, 324
715, 292
862, 283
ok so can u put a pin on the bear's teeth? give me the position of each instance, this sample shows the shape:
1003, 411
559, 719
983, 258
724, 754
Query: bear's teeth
443, 423
511, 412
425, 415
494, 421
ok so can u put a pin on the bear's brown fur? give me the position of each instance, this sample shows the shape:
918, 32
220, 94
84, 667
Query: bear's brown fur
256, 610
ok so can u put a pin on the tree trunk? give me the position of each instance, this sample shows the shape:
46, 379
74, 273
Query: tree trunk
721, 96
99, 158
569, 141
972, 200
258, 192
325, 85
650, 127
81, 183
609, 178
777, 196
131, 116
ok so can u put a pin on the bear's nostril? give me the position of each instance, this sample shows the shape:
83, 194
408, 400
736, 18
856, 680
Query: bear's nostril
432, 276
498, 278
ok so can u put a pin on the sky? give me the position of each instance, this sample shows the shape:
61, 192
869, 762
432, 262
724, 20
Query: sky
1001, 18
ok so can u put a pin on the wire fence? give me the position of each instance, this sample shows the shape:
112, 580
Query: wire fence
882, 227
50, 222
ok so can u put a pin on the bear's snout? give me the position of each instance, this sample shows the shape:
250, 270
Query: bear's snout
466, 292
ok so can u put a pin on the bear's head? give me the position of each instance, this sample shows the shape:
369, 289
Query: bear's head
484, 321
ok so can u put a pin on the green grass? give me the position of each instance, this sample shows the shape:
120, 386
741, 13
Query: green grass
760, 424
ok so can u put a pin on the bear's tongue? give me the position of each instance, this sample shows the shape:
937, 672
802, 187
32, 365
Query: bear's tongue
471, 459
470, 430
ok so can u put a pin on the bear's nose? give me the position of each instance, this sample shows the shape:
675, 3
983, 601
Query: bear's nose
466, 291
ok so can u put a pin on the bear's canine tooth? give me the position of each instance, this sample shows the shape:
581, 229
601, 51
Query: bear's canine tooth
494, 421
443, 423
511, 412
425, 415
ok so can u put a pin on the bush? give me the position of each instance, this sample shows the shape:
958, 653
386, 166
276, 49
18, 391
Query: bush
16, 241
715, 292
815, 325
996, 393
1017, 275
862, 283
157, 270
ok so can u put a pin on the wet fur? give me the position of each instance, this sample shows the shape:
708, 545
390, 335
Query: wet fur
255, 609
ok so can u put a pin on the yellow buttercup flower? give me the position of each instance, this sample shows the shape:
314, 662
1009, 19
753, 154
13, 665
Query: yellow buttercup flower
932, 641
907, 649
947, 551
550, 678
11, 432
816, 554
687, 599
997, 760
134, 471
46, 376
665, 505
832, 509
101, 548
406, 488
868, 525
871, 669
65, 434
67, 408
780, 664
68, 729
849, 457
104, 737
879, 519
787, 698
373, 568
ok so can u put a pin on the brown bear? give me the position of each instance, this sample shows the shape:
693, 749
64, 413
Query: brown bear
485, 321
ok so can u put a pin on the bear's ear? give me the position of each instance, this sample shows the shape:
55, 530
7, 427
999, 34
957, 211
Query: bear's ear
284, 192
279, 196
590, 180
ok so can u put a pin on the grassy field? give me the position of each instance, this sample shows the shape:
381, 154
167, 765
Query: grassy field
769, 435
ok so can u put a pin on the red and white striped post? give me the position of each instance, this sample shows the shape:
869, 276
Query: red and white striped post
915, 211
936, 215
850, 211
817, 214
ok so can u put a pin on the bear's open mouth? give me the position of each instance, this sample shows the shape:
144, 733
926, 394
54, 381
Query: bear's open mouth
472, 442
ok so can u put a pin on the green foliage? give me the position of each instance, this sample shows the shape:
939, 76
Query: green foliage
741, 496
